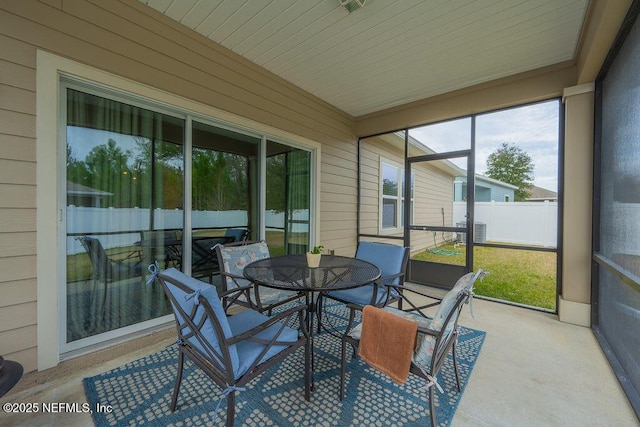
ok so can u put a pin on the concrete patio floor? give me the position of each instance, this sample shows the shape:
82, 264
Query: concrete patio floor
532, 371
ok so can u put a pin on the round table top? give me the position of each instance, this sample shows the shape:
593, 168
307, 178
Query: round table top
291, 272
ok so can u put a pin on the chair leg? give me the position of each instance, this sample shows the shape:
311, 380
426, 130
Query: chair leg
307, 370
176, 388
455, 363
432, 406
343, 368
231, 409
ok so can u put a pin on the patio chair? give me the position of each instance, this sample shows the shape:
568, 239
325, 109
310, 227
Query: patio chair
204, 262
392, 261
232, 258
164, 243
231, 350
106, 269
436, 336
238, 234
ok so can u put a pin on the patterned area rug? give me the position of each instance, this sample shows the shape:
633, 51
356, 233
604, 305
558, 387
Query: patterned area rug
140, 392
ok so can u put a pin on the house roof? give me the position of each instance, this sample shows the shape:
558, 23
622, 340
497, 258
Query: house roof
484, 178
538, 193
390, 52
82, 190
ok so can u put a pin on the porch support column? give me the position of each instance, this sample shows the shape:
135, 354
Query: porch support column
574, 304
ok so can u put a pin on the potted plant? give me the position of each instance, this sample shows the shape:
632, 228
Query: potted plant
313, 256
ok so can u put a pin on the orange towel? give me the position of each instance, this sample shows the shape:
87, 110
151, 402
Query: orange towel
387, 342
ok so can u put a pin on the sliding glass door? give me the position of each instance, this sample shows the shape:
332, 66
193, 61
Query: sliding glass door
124, 180
146, 185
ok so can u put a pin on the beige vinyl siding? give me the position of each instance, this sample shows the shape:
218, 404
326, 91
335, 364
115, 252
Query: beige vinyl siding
130, 40
17, 203
433, 190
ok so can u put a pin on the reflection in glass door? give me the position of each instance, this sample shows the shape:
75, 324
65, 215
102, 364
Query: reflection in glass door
124, 182
133, 199
288, 199
225, 171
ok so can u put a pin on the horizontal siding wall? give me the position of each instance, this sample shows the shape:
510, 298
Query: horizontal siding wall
17, 202
433, 190
130, 40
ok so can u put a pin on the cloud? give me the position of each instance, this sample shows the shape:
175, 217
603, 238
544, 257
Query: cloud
533, 128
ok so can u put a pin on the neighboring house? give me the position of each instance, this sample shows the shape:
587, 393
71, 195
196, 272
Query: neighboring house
81, 195
539, 194
487, 189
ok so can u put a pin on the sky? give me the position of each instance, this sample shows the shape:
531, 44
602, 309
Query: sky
533, 128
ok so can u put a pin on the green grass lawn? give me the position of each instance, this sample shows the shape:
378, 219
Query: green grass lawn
525, 277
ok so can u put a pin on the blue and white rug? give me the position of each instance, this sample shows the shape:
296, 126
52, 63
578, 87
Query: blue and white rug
140, 392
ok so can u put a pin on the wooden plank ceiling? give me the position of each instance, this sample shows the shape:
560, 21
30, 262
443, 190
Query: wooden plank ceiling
390, 52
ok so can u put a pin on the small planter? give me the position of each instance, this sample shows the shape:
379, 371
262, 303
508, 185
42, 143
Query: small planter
313, 260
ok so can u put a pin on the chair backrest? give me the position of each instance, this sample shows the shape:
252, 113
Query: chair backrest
238, 234
390, 259
98, 257
445, 320
234, 258
200, 319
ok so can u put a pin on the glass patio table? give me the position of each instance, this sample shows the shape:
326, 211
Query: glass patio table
291, 273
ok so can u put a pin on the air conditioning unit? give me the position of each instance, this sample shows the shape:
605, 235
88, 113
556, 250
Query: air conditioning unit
479, 230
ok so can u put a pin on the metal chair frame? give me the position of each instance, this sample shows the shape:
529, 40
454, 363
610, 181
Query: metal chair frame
445, 338
258, 306
217, 364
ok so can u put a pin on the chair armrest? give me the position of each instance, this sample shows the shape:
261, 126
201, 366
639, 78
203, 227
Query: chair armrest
352, 306
239, 289
232, 276
383, 279
403, 290
232, 296
134, 253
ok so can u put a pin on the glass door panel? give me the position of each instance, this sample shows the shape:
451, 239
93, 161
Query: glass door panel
516, 203
438, 229
288, 199
517, 185
124, 190
225, 172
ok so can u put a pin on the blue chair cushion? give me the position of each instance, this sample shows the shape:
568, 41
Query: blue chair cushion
236, 258
360, 295
388, 258
188, 301
426, 344
249, 351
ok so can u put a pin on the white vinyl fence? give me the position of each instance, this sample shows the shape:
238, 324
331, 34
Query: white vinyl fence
523, 223
88, 220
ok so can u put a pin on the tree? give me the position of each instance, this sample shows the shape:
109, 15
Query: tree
512, 165
108, 169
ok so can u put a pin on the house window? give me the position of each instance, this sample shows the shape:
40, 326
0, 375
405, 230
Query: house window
392, 200
506, 198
